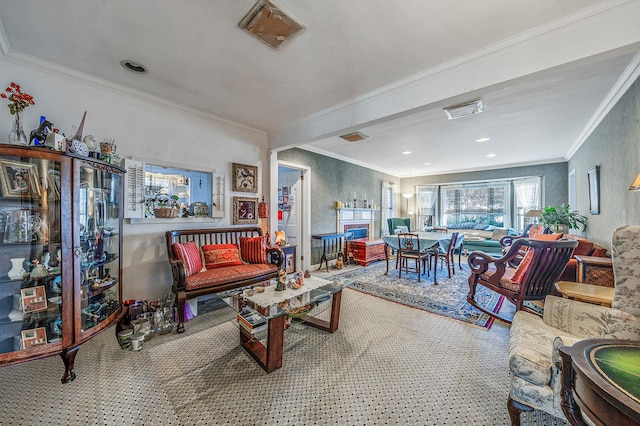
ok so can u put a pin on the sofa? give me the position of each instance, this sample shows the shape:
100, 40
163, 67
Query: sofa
206, 261
535, 367
585, 248
480, 237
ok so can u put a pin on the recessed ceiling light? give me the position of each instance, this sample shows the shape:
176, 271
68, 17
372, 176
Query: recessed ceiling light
490, 155
134, 66
406, 152
483, 140
427, 164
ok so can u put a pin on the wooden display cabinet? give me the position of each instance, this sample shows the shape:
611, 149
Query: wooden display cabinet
60, 245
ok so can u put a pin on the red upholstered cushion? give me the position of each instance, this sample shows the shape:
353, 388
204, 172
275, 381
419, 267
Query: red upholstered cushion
518, 274
230, 274
598, 251
254, 250
219, 255
190, 255
547, 237
535, 229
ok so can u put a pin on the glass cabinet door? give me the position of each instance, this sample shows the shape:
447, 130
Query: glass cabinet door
30, 253
97, 223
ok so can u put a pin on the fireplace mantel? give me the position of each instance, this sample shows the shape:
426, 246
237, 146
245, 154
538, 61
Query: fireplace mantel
350, 216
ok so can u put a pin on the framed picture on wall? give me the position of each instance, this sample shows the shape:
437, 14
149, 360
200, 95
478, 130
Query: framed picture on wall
594, 189
245, 178
245, 210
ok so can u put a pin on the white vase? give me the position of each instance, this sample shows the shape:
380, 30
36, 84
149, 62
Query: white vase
17, 271
16, 312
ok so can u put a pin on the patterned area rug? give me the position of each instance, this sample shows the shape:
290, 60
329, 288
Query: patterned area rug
448, 298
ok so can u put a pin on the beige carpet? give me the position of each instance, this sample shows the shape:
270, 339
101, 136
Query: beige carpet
387, 364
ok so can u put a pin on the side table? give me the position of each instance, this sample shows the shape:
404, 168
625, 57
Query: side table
599, 382
332, 245
595, 294
595, 270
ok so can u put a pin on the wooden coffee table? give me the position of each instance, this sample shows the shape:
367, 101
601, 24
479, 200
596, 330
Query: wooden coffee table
589, 293
276, 306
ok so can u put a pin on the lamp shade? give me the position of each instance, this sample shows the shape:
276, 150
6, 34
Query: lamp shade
534, 213
407, 195
635, 186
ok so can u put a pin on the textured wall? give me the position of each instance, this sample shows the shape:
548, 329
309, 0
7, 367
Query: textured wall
333, 180
614, 145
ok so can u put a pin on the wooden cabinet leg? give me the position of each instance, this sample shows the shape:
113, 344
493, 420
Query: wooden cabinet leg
68, 358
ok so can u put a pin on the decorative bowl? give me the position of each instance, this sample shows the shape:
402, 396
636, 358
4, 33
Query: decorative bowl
301, 311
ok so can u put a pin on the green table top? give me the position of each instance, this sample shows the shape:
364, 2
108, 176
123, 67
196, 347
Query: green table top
619, 365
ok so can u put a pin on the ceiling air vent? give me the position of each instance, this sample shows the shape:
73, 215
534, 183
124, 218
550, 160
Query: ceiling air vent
465, 109
270, 24
354, 137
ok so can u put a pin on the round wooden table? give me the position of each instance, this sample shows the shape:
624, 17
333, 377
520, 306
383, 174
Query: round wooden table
600, 382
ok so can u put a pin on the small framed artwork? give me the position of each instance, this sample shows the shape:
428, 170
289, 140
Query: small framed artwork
245, 210
19, 180
245, 178
34, 337
34, 299
594, 189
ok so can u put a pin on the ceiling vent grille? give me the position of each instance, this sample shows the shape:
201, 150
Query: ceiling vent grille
464, 110
270, 24
354, 137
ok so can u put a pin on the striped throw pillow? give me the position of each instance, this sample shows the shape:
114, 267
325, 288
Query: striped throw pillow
190, 255
254, 250
219, 255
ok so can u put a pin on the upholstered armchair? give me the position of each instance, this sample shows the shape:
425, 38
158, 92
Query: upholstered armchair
534, 363
394, 222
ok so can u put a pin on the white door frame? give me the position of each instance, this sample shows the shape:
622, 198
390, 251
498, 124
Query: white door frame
303, 250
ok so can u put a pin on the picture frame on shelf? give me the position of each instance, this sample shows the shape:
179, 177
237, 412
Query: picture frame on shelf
34, 337
19, 180
34, 299
245, 178
594, 189
245, 210
53, 180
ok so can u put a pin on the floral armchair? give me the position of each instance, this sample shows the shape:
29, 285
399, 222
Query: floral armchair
534, 363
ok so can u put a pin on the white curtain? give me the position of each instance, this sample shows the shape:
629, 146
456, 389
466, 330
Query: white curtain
426, 203
386, 206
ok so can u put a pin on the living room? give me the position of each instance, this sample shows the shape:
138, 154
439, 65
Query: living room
180, 133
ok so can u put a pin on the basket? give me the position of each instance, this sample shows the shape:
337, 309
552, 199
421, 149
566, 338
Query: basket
165, 212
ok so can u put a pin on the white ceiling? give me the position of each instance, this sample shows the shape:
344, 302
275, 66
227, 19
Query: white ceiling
384, 68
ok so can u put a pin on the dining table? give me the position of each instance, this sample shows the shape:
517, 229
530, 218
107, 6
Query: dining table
428, 240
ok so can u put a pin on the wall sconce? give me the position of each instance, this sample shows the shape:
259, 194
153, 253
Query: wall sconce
635, 186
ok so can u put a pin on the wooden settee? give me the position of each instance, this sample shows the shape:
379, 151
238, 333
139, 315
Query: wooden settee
190, 281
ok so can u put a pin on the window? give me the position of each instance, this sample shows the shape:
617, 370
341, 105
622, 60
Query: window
386, 209
485, 203
500, 203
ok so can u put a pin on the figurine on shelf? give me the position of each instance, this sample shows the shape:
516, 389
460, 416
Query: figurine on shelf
39, 270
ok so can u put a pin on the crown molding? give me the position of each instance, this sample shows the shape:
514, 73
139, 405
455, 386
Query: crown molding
345, 159
116, 88
295, 132
626, 79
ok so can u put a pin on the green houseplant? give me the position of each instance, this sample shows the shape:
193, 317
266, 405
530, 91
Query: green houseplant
561, 218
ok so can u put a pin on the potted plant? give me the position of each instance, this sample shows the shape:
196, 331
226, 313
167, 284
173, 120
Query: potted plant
561, 219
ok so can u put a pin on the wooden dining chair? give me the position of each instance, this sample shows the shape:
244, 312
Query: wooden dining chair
446, 255
409, 250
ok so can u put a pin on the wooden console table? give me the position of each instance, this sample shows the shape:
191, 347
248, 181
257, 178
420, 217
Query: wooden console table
595, 270
332, 244
600, 382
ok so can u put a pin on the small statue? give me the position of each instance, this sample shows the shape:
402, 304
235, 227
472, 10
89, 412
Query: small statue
41, 132
282, 278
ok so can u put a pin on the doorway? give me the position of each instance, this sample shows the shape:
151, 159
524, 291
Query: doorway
292, 211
